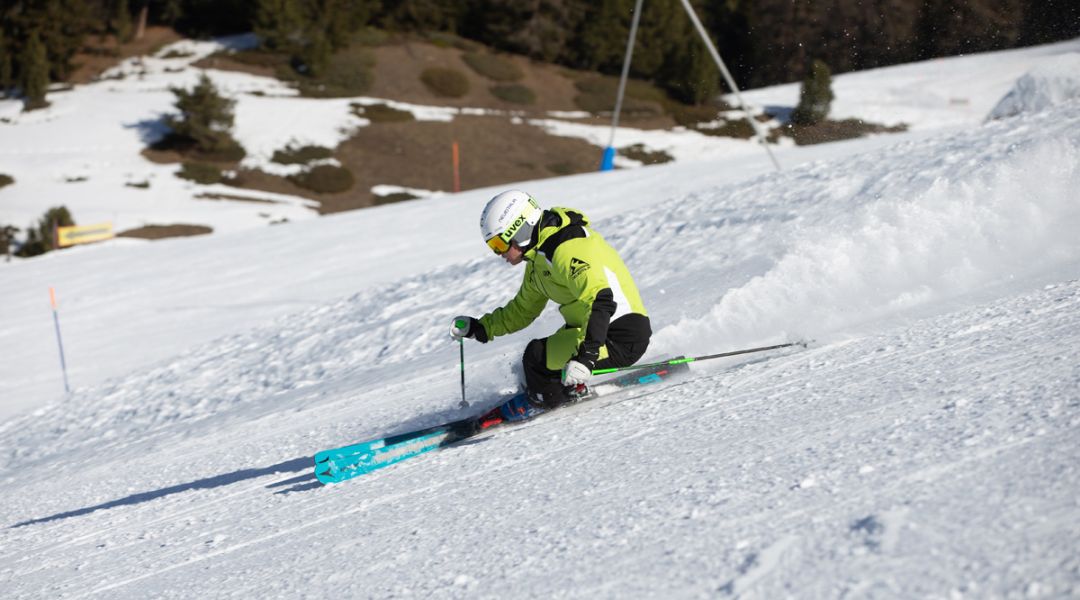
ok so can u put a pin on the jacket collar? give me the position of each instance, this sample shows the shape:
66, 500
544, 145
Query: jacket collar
551, 222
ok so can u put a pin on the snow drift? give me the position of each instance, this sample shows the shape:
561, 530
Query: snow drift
894, 230
1055, 81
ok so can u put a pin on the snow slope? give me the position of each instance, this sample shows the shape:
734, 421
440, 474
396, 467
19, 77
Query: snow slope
926, 445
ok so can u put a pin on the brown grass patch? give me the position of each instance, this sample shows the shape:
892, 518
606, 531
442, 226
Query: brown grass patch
159, 232
492, 66
834, 131
445, 83
493, 151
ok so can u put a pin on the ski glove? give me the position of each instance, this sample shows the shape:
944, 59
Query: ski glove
574, 373
468, 327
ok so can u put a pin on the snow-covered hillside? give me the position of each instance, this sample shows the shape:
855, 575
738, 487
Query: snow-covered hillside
925, 445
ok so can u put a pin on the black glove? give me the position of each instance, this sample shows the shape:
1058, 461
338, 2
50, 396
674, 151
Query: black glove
468, 327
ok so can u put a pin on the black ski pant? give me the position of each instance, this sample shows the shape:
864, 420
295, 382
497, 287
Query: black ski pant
627, 339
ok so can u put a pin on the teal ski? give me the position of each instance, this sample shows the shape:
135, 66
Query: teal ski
347, 462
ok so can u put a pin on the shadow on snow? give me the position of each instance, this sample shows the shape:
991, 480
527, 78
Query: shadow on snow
289, 466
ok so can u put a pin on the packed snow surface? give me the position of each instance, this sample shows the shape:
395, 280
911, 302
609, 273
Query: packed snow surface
926, 444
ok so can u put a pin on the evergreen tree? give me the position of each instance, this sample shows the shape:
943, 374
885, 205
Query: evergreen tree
167, 12
815, 97
7, 239
205, 121
60, 25
6, 68
689, 73
1050, 20
664, 27
202, 18
540, 29
601, 42
339, 19
437, 15
40, 238
120, 21
34, 68
313, 58
680, 64
280, 24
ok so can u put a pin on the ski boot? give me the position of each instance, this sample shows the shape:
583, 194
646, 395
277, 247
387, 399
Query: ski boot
521, 407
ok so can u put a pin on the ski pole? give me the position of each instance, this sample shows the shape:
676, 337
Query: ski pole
461, 325
59, 340
680, 361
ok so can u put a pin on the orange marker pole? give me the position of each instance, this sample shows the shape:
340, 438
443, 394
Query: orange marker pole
59, 340
457, 168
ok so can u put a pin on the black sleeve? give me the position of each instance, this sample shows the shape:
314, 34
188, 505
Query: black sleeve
603, 308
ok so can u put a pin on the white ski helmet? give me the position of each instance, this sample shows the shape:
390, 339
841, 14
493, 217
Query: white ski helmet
509, 217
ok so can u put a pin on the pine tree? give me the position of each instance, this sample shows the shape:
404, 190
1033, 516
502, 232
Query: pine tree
60, 26
314, 57
7, 239
602, 40
689, 73
57, 216
34, 68
205, 121
815, 97
339, 19
170, 11
120, 23
279, 24
39, 238
6, 74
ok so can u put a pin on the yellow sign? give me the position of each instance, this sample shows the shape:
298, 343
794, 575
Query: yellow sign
83, 234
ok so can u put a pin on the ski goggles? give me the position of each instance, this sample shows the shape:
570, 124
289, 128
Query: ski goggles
498, 245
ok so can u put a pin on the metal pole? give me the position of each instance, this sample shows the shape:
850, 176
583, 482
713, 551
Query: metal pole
680, 361
59, 340
730, 80
608, 162
461, 342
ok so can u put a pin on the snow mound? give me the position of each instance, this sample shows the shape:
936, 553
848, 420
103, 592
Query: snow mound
1049, 84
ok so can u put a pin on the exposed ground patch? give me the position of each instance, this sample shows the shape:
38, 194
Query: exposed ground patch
157, 232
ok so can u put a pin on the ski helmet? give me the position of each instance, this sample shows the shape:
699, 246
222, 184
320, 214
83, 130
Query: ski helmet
509, 217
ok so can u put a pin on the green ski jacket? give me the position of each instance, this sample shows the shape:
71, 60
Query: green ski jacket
571, 265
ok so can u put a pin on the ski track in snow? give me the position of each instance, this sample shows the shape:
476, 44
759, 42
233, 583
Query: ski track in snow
743, 481
924, 445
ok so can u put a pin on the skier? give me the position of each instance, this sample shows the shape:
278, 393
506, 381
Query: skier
571, 264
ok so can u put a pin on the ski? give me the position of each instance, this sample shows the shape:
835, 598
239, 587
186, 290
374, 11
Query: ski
347, 462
